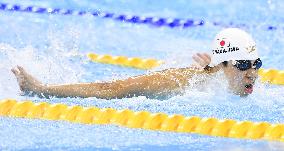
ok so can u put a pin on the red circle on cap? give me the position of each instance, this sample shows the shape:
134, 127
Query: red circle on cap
222, 43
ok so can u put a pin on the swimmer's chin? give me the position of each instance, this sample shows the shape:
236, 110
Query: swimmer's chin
244, 95
241, 94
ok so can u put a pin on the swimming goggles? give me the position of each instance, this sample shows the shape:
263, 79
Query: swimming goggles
246, 64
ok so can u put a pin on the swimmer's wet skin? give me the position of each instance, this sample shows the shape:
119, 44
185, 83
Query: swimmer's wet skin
233, 52
156, 84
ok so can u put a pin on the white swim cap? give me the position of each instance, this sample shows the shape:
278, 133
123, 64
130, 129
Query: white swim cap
233, 44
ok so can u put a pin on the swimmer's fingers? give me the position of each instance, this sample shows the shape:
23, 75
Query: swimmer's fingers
199, 60
21, 69
19, 77
197, 64
206, 58
15, 71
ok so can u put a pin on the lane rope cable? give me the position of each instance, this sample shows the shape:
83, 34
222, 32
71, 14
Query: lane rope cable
134, 19
155, 21
143, 119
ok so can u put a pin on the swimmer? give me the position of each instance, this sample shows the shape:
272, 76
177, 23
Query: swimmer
233, 52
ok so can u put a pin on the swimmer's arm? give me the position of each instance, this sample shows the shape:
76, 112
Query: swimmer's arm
155, 83
150, 84
100, 90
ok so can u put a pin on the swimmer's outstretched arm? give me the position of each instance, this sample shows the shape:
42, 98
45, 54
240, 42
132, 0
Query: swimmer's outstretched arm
151, 84
155, 83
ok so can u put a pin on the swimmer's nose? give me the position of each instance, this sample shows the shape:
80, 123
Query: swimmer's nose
250, 79
252, 74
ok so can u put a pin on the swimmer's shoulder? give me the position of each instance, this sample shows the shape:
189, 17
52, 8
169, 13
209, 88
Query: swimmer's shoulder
185, 70
182, 74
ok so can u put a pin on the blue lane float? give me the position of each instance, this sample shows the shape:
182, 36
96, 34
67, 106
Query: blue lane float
134, 19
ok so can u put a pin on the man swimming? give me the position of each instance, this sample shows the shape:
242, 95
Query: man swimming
233, 52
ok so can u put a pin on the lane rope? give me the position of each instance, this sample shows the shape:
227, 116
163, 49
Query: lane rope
134, 19
135, 62
155, 21
271, 76
143, 119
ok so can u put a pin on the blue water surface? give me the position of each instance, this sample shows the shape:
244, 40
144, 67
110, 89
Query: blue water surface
53, 48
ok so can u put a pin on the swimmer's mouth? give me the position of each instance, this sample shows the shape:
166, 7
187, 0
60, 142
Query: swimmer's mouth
249, 88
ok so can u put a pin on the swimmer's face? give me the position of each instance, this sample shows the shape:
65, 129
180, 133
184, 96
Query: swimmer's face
240, 82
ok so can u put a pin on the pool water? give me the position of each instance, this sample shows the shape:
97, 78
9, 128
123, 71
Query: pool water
53, 48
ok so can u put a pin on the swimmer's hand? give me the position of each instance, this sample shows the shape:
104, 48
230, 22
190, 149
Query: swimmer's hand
27, 83
201, 60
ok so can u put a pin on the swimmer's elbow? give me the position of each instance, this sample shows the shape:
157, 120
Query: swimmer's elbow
110, 91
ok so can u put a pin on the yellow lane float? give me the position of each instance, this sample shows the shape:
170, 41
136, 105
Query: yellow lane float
135, 62
143, 119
